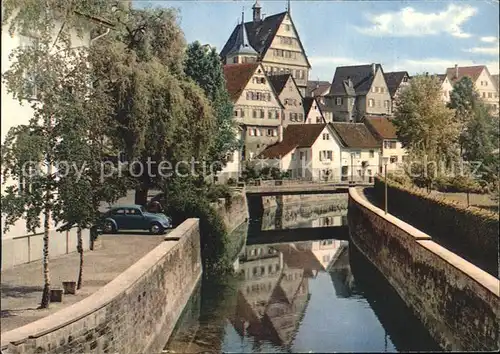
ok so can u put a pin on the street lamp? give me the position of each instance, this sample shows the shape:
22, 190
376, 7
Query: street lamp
352, 167
386, 160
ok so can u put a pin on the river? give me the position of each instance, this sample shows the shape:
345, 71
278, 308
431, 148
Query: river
318, 295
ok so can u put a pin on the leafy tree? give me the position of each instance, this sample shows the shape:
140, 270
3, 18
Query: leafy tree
160, 114
203, 65
425, 126
52, 76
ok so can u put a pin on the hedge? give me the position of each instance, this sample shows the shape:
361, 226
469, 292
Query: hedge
470, 232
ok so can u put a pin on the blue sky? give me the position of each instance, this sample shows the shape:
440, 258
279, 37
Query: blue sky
417, 36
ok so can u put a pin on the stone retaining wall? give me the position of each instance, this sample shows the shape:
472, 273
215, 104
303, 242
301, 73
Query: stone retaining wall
458, 302
272, 201
134, 313
234, 212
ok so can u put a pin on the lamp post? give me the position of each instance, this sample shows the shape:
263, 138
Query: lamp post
386, 160
352, 167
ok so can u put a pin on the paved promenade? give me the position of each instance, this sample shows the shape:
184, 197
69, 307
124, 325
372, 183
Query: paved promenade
21, 286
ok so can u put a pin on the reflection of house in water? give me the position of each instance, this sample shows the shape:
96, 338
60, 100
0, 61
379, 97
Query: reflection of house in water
326, 221
273, 297
327, 251
341, 274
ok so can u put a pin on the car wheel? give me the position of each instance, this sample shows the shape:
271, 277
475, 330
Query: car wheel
109, 227
156, 228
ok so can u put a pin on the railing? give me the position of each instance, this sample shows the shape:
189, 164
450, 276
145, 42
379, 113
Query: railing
297, 182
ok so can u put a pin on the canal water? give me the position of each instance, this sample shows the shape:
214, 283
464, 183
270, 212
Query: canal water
308, 296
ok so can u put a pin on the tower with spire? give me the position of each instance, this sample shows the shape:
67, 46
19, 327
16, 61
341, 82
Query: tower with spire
242, 51
272, 40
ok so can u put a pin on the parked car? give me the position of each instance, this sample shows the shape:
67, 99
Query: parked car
134, 217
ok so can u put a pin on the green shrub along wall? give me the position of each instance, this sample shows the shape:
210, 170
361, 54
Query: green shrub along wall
469, 232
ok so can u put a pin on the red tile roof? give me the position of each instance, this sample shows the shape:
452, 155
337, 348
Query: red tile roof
381, 126
237, 77
471, 71
295, 135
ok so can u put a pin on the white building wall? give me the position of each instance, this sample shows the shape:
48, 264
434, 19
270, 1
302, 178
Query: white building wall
13, 113
396, 153
370, 156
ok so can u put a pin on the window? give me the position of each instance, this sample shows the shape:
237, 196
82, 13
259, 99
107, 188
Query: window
301, 117
338, 101
235, 60
262, 113
490, 95
371, 103
251, 132
318, 120
357, 154
287, 28
258, 132
270, 132
374, 89
484, 94
386, 104
270, 115
369, 172
236, 113
372, 153
389, 144
262, 80
326, 136
275, 132
394, 159
242, 111
326, 155
254, 113
405, 79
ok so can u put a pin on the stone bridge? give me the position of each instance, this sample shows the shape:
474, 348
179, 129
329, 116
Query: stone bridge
291, 187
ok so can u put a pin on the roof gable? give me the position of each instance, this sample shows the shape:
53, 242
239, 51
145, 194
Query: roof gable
361, 76
308, 103
261, 34
279, 82
317, 87
471, 71
355, 135
394, 80
237, 77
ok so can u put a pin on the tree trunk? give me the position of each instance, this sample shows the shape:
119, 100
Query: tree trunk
141, 195
46, 275
80, 250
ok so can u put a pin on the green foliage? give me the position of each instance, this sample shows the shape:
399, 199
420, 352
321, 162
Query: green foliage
187, 200
424, 125
470, 232
205, 68
216, 191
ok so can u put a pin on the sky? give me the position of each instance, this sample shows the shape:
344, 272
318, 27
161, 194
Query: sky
416, 36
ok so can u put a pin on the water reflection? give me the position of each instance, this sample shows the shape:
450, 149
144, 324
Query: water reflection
307, 296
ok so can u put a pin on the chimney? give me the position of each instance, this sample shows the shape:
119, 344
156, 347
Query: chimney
456, 71
256, 12
280, 133
374, 68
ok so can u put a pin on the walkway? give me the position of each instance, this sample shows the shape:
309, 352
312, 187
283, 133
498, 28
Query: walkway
22, 285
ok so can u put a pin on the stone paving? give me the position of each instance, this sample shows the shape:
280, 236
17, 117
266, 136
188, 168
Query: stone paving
21, 286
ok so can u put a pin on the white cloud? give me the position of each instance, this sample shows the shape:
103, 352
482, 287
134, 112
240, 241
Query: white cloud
411, 23
489, 39
485, 50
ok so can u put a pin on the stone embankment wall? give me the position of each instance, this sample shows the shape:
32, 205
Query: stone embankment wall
472, 233
234, 212
458, 302
134, 313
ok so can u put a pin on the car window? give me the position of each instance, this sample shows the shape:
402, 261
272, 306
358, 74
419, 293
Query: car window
133, 211
118, 212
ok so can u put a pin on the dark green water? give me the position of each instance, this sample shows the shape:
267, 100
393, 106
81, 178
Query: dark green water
299, 297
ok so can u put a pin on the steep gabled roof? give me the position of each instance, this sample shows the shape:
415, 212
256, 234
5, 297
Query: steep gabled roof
394, 80
355, 135
279, 81
381, 126
237, 77
360, 75
241, 43
471, 71
307, 103
260, 35
294, 136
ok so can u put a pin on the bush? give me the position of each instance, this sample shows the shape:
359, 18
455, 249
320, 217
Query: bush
186, 201
216, 191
